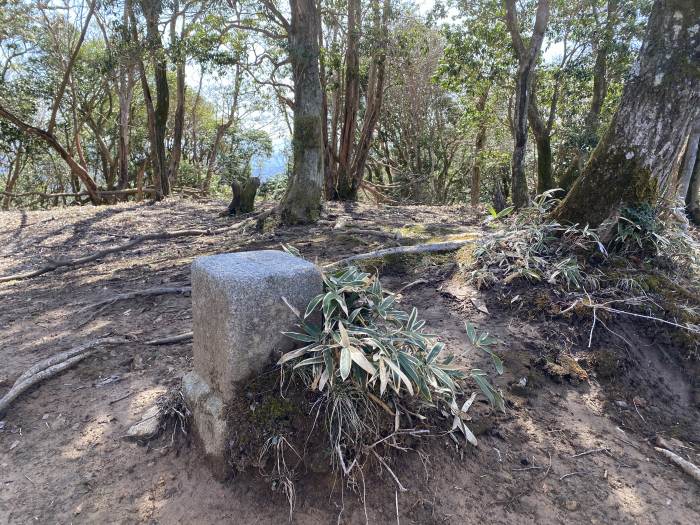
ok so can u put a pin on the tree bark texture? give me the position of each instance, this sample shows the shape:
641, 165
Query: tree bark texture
527, 56
637, 161
302, 202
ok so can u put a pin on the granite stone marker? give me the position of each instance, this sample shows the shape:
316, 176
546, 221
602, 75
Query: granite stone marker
238, 316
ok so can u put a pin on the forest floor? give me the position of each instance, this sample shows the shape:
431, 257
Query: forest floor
63, 458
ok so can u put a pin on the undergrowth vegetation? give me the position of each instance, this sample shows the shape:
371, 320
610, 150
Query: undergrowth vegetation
533, 246
636, 260
377, 376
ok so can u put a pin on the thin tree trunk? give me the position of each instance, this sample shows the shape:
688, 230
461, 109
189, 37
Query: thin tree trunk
179, 123
637, 160
125, 88
479, 143
343, 186
14, 172
159, 114
302, 203
527, 57
693, 198
375, 97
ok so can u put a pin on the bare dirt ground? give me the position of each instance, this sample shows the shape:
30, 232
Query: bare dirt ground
62, 454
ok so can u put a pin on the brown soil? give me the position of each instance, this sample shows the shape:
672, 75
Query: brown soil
63, 459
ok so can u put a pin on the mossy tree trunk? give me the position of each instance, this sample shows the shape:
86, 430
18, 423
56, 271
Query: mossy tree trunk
527, 57
302, 203
637, 161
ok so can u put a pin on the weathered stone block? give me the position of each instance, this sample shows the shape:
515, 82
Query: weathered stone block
238, 317
238, 314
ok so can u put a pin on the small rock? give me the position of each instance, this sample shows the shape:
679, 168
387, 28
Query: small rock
147, 427
2, 425
44, 417
621, 403
571, 505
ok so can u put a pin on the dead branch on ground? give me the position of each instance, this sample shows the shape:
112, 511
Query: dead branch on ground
187, 336
686, 466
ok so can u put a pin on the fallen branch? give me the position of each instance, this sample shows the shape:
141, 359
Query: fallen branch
686, 466
148, 292
402, 250
60, 263
52, 366
187, 336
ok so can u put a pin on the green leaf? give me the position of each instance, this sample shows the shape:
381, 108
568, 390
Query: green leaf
313, 305
435, 351
471, 332
293, 355
304, 338
310, 361
359, 357
345, 363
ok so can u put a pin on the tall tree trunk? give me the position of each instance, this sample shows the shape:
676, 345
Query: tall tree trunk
151, 11
179, 123
479, 143
125, 94
637, 160
527, 57
343, 184
302, 203
375, 95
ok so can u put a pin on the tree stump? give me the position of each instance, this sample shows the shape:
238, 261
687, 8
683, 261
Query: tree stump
243, 200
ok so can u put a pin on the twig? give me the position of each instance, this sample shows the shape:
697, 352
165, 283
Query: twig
527, 468
592, 451
129, 394
187, 336
391, 472
638, 413
577, 473
396, 498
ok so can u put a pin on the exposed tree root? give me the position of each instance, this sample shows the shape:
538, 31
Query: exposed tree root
402, 250
148, 292
60, 263
187, 336
686, 466
54, 365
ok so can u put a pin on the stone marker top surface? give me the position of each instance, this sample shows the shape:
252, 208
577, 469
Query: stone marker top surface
247, 266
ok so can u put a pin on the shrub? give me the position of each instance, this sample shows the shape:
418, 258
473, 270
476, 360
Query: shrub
368, 359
